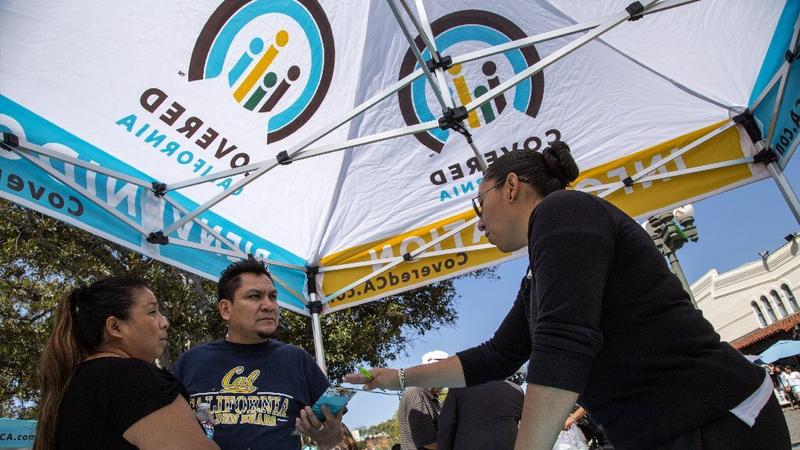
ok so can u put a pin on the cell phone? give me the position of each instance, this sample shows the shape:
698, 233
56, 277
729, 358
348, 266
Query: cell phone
335, 397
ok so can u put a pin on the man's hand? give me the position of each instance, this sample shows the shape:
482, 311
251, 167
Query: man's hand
327, 434
382, 378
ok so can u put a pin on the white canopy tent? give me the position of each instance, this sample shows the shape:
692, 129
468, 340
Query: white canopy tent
316, 136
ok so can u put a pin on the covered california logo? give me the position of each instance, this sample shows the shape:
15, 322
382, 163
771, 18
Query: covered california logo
276, 56
464, 31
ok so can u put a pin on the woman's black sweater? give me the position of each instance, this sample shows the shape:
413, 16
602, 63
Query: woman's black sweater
603, 316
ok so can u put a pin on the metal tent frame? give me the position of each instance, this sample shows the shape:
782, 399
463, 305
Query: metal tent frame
452, 118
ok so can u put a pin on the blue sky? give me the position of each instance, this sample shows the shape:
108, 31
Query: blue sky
733, 227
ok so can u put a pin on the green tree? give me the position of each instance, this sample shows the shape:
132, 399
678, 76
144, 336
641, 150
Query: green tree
41, 258
388, 426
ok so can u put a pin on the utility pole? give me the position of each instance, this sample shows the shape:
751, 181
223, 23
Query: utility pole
669, 231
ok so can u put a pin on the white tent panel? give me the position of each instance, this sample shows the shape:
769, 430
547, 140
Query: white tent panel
120, 78
169, 92
598, 100
713, 48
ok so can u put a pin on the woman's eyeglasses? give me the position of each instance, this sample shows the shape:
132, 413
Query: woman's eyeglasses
477, 202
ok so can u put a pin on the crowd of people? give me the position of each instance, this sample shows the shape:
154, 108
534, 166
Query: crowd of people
787, 380
601, 319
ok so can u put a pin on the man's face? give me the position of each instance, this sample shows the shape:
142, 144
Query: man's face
253, 313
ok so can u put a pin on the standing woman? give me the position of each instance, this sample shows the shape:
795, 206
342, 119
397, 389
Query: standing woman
604, 323
100, 387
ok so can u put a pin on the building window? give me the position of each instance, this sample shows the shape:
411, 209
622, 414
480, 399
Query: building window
770, 311
779, 301
790, 296
759, 315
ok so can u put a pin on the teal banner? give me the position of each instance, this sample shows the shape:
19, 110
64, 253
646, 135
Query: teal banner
786, 124
17, 433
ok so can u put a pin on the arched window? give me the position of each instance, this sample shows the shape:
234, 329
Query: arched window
770, 311
759, 315
779, 301
790, 296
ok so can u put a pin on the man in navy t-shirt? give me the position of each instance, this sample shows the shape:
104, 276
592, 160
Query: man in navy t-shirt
258, 388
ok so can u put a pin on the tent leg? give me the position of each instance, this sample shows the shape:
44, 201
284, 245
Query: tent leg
785, 188
315, 307
319, 350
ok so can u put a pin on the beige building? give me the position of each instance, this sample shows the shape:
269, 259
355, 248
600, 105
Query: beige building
755, 304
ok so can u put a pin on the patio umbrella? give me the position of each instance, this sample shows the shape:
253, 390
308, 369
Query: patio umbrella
779, 350
752, 358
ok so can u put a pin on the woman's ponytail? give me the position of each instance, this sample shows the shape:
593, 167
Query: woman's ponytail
60, 357
560, 165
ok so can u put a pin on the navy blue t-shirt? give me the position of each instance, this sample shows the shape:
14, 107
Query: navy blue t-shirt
255, 391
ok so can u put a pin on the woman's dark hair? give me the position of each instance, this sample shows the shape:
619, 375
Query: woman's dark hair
78, 328
549, 171
229, 279
347, 441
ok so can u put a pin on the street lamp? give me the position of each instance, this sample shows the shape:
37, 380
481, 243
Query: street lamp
669, 231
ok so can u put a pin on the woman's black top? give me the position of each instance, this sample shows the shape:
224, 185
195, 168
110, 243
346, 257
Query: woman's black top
108, 395
604, 317
482, 417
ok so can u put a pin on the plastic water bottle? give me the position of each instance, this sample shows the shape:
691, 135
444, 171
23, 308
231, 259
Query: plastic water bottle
206, 419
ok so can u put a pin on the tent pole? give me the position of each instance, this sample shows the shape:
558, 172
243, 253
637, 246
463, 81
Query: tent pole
613, 21
316, 328
8, 137
785, 188
426, 34
433, 82
375, 99
315, 307
83, 191
630, 181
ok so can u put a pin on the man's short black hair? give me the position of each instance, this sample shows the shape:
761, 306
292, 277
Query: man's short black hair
230, 278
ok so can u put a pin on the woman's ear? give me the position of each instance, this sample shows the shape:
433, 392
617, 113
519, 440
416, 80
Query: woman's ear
113, 327
513, 183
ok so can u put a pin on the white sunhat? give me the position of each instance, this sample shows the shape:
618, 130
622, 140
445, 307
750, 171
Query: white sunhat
432, 357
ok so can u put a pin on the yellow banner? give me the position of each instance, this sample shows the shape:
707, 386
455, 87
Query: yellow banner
642, 198
408, 274
636, 200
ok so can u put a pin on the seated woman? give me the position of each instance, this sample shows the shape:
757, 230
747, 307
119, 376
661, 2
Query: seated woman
100, 387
